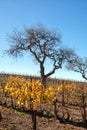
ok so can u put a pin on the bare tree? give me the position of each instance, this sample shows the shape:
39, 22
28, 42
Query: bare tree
79, 65
44, 45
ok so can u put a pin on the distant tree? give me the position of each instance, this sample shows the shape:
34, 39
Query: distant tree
79, 65
44, 45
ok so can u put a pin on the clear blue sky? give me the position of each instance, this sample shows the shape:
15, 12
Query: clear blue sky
68, 16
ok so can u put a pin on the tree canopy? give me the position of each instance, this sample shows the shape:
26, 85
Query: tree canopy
43, 44
79, 65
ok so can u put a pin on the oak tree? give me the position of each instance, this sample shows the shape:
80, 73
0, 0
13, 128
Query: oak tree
79, 65
44, 45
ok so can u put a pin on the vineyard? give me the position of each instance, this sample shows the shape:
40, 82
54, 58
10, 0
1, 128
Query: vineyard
62, 105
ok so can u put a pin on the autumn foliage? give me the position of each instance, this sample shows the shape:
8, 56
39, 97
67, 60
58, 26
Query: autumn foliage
59, 99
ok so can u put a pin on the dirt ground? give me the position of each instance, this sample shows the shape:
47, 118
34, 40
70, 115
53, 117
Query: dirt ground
14, 120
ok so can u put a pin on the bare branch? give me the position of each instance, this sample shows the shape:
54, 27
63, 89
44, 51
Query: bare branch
43, 44
79, 65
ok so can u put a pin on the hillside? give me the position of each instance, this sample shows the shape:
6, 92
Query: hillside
70, 108
50, 81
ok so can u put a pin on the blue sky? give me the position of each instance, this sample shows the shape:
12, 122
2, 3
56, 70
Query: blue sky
67, 16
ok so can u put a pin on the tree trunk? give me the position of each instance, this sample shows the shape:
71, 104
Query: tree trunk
43, 77
34, 119
43, 80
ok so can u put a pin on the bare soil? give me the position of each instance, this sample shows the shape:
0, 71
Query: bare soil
15, 120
